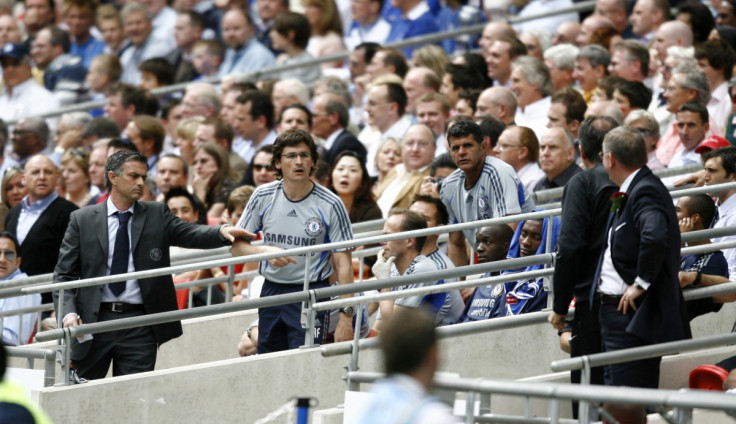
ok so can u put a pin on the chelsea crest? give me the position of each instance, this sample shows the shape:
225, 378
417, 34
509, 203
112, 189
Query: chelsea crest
314, 226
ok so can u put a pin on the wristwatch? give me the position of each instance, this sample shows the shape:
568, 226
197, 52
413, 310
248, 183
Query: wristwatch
348, 310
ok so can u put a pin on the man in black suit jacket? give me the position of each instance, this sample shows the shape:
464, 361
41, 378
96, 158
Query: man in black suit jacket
330, 118
40, 220
187, 31
585, 208
96, 244
636, 281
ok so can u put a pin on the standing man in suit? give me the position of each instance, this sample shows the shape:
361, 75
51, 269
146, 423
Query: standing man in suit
119, 236
39, 222
636, 282
330, 117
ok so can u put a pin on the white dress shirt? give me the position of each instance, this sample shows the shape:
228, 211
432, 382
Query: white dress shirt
719, 106
132, 293
727, 218
371, 137
534, 116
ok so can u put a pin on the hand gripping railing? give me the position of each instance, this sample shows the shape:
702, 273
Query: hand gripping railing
683, 401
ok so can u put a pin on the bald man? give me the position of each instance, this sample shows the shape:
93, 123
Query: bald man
590, 25
498, 102
492, 32
566, 33
672, 33
418, 82
556, 158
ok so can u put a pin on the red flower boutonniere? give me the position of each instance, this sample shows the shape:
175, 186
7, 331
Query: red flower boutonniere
618, 200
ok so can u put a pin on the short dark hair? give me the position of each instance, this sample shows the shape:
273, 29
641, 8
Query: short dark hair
470, 96
159, 68
411, 221
150, 129
223, 130
442, 161
443, 218
297, 23
627, 146
516, 49
119, 143
396, 59
695, 106
703, 205
728, 158
369, 50
116, 161
462, 129
10, 236
591, 133
179, 192
343, 114
184, 164
300, 107
291, 138
635, 51
59, 37
406, 340
608, 83
639, 95
196, 19
465, 77
260, 105
396, 94
491, 127
701, 19
719, 54
129, 95
574, 103
167, 106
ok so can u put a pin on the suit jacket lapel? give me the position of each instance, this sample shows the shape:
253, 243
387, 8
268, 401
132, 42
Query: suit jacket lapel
100, 219
139, 219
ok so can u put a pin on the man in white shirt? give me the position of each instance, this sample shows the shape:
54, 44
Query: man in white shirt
519, 147
716, 58
532, 86
17, 329
144, 44
368, 25
499, 57
498, 102
21, 96
253, 119
692, 125
647, 17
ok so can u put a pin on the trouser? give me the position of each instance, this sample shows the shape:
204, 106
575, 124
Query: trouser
280, 327
585, 340
131, 351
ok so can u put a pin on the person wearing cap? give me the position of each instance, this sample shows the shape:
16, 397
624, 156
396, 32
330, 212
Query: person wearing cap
711, 143
22, 96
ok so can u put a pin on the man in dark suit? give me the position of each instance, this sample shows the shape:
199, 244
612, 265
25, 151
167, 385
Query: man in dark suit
636, 281
97, 244
40, 221
330, 118
187, 31
585, 208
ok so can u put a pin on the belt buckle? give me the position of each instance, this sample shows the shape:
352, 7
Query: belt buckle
117, 306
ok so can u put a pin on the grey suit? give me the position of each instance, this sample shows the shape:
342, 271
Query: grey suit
84, 254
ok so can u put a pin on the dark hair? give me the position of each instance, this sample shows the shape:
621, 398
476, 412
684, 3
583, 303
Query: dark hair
471, 96
10, 236
608, 83
442, 161
159, 68
627, 146
728, 158
297, 23
118, 143
179, 192
477, 63
363, 197
443, 218
167, 106
101, 127
369, 50
300, 107
195, 19
701, 19
184, 165
491, 127
411, 221
343, 114
639, 95
695, 106
290, 138
396, 94
719, 54
223, 130
464, 77
635, 51
396, 59
116, 161
462, 129
260, 105
591, 133
59, 37
516, 47
406, 340
574, 103
150, 129
129, 95
703, 205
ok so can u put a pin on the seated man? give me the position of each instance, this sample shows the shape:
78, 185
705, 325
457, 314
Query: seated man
492, 244
696, 213
403, 257
527, 295
17, 329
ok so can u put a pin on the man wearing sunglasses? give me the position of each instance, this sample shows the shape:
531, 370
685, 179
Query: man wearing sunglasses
17, 329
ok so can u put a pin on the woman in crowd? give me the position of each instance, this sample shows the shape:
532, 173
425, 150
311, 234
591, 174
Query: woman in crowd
13, 191
184, 138
75, 173
213, 178
351, 182
326, 27
388, 156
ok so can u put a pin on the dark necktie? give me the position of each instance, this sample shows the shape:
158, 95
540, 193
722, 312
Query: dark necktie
121, 253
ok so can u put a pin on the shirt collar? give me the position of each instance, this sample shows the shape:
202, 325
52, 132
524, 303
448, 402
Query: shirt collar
330, 140
39, 204
628, 180
111, 209
417, 11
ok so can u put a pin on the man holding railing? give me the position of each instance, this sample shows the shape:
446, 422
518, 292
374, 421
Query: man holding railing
120, 236
294, 212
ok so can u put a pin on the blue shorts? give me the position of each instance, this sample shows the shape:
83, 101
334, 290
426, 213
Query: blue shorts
279, 327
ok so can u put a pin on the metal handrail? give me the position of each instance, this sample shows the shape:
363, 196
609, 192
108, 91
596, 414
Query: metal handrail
48, 356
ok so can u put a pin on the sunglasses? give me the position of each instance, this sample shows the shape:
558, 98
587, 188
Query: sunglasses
260, 167
9, 254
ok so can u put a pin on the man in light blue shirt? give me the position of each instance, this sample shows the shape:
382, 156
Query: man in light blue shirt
244, 53
17, 329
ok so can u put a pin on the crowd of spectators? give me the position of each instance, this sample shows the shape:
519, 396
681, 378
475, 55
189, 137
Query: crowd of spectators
424, 136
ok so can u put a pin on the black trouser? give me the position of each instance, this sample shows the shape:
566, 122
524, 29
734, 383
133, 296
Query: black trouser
585, 340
